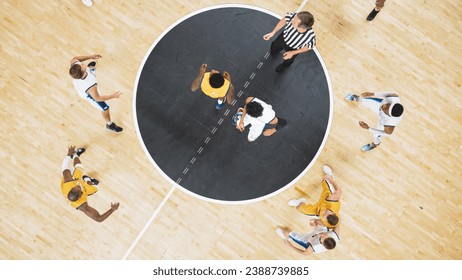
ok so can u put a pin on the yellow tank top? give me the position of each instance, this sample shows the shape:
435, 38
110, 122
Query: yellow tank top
66, 188
207, 89
333, 206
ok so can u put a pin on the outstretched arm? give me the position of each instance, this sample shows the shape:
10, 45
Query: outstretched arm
379, 94
94, 214
85, 57
387, 130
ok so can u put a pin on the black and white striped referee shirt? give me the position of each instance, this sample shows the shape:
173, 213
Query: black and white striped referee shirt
295, 39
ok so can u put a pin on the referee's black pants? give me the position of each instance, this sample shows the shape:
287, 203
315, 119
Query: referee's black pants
278, 45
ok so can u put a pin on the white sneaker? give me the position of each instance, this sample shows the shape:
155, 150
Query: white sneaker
280, 232
87, 3
328, 171
296, 202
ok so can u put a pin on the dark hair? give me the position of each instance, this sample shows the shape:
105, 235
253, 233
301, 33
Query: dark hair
332, 219
254, 109
76, 71
306, 19
397, 110
73, 195
329, 243
216, 80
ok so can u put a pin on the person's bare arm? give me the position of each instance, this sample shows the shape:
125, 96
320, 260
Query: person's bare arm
227, 76
94, 214
93, 91
387, 129
85, 57
378, 94
240, 124
278, 26
290, 54
197, 81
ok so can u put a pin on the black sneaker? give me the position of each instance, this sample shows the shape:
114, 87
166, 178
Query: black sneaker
92, 64
80, 151
92, 180
280, 68
372, 15
114, 127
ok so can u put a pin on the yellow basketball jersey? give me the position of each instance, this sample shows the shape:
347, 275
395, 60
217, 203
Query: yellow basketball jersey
207, 89
86, 188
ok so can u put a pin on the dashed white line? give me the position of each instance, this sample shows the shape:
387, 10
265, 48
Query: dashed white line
267, 55
185, 170
227, 111
220, 121
207, 140
240, 93
200, 150
192, 161
214, 130
246, 84
252, 76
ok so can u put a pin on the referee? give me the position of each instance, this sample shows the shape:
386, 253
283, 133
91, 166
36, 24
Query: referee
297, 37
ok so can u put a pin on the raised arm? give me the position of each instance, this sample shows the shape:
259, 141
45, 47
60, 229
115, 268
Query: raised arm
94, 214
85, 57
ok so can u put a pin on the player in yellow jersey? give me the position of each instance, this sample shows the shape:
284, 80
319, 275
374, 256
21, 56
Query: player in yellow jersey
328, 206
215, 85
76, 187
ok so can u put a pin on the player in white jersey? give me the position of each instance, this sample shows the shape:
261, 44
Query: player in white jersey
86, 85
260, 116
319, 240
389, 110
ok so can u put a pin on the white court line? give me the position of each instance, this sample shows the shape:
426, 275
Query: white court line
148, 223
301, 6
156, 212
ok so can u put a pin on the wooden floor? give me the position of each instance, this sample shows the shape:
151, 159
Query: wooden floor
401, 201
